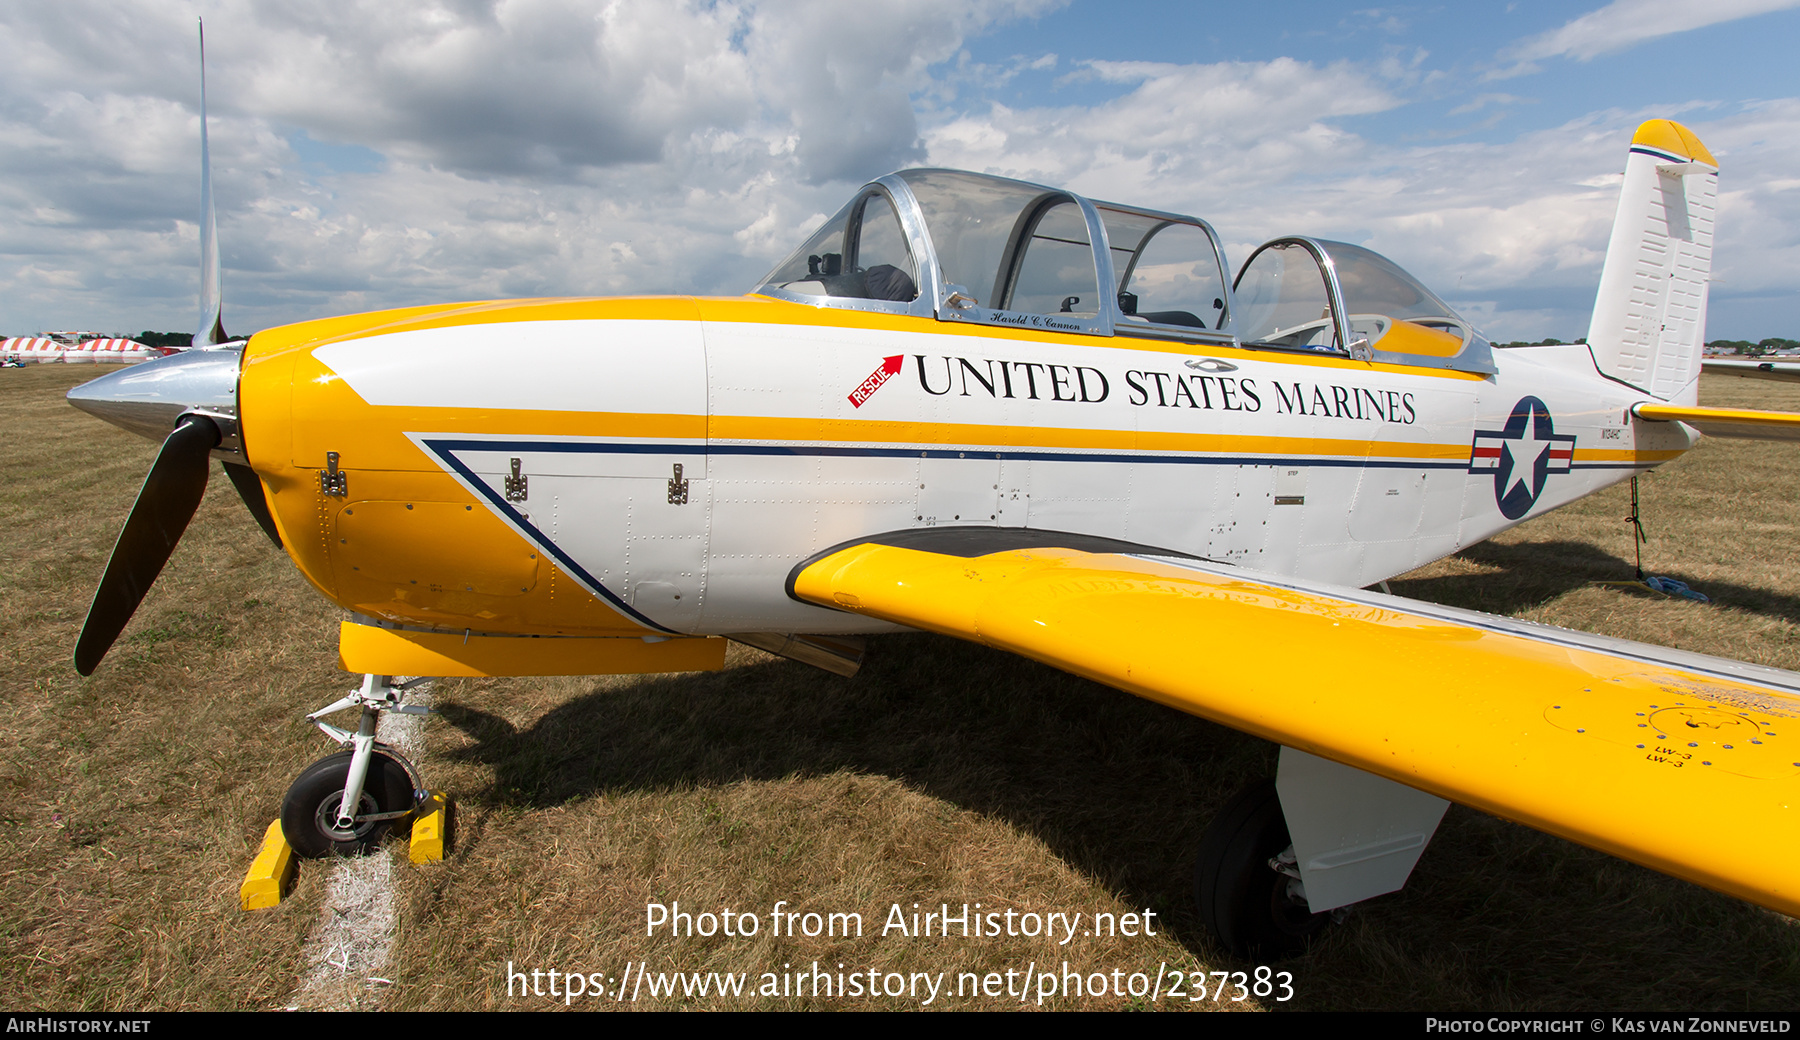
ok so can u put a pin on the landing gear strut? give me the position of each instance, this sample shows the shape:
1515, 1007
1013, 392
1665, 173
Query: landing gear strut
1247, 885
345, 803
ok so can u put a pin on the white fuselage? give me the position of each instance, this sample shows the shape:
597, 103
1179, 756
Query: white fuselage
1283, 461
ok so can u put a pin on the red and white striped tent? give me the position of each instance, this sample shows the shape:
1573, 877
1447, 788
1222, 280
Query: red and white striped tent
30, 348
77, 348
120, 350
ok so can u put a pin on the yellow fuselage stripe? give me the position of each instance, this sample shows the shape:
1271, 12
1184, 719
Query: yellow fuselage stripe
756, 429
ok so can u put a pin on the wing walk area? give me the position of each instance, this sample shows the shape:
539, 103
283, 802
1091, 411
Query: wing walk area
1677, 761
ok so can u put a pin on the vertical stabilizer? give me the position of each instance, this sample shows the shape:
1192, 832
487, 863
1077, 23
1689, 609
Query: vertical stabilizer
212, 323
1650, 315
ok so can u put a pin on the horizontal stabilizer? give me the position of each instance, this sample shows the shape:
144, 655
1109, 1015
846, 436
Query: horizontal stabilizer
1729, 416
1732, 423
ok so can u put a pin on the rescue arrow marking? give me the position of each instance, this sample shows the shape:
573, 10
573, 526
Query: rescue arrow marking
890, 367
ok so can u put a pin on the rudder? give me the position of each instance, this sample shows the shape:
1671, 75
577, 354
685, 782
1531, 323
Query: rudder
1649, 321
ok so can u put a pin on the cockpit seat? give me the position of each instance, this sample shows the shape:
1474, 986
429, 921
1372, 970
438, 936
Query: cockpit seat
1186, 318
887, 282
881, 282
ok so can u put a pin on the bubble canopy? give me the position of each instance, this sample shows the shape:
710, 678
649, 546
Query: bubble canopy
980, 249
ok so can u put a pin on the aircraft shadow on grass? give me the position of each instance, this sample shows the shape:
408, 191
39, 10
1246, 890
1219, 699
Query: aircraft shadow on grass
1533, 573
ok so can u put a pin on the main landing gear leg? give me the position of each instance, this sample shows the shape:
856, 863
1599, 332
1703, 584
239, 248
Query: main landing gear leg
345, 803
1287, 857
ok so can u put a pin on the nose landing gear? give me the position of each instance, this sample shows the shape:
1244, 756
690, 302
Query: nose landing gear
345, 803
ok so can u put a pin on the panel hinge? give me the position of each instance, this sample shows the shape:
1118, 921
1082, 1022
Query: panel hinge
333, 481
516, 484
678, 488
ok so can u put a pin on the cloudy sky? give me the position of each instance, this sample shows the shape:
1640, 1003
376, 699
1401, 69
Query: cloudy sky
375, 154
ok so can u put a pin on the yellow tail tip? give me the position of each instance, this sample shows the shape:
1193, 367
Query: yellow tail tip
1670, 136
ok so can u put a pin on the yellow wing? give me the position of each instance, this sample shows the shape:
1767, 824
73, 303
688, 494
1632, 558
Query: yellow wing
1681, 762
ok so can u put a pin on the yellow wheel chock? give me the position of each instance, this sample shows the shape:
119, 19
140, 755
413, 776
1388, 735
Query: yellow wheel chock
431, 829
271, 874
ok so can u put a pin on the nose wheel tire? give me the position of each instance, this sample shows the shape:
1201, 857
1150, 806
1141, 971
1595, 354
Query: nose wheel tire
1252, 909
309, 813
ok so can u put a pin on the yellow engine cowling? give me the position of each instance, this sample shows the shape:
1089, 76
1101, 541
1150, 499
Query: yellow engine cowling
387, 532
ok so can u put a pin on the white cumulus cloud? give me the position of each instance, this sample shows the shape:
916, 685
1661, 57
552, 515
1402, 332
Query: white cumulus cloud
1626, 23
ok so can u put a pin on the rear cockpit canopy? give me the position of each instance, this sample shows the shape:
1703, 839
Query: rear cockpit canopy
974, 248
1333, 297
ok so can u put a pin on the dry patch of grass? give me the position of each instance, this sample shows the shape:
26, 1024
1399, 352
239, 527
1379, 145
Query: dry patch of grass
945, 774
131, 802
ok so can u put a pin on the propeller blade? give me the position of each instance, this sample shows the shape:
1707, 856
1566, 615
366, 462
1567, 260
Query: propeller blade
168, 501
212, 325
250, 489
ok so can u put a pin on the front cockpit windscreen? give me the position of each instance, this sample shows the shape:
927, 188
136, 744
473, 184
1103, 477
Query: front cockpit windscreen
861, 253
970, 219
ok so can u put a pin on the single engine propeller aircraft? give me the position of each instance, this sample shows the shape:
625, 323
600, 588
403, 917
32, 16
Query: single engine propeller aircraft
1014, 415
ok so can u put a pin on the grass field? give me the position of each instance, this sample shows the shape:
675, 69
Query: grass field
131, 802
